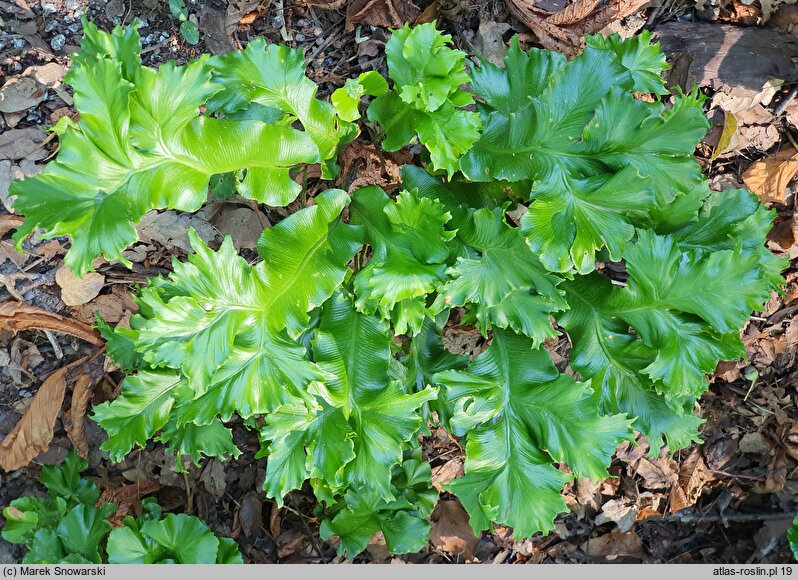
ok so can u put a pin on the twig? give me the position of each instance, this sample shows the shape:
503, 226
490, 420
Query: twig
782, 106
59, 354
736, 518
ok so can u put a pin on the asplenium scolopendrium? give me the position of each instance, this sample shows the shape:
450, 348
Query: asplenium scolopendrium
306, 338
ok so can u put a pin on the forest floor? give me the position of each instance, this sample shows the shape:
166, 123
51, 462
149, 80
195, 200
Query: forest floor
730, 499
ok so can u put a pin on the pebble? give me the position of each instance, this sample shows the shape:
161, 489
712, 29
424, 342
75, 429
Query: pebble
51, 25
18, 42
25, 393
74, 28
5, 358
116, 21
58, 42
72, 4
49, 7
299, 37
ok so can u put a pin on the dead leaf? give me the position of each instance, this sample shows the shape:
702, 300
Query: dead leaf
33, 433
378, 548
783, 231
615, 544
489, 42
9, 172
250, 514
19, 94
47, 75
587, 495
729, 130
170, 229
768, 178
386, 13
124, 497
574, 12
754, 443
82, 393
241, 223
10, 222
112, 307
214, 478
9, 252
694, 476
275, 521
551, 36
17, 316
613, 11
445, 473
22, 144
76, 291
619, 512
450, 531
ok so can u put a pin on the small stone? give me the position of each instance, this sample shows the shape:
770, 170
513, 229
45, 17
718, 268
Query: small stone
58, 42
50, 26
49, 7
116, 21
25, 393
5, 358
18, 42
74, 28
300, 37
72, 4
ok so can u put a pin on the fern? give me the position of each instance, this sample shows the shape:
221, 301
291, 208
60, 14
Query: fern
303, 343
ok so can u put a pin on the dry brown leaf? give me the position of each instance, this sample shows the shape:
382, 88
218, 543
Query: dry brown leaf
73, 424
50, 249
450, 531
768, 178
325, 4
76, 291
573, 13
9, 222
694, 476
250, 514
32, 434
429, 14
614, 11
125, 497
614, 544
243, 224
443, 474
552, 37
387, 13
16, 316
619, 512
275, 521
108, 306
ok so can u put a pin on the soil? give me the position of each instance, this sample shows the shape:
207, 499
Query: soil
728, 500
